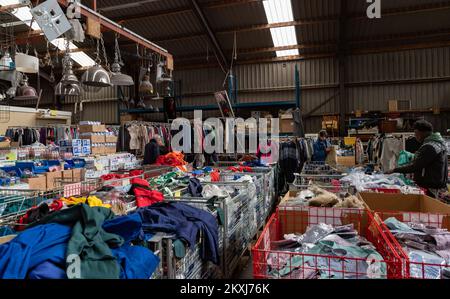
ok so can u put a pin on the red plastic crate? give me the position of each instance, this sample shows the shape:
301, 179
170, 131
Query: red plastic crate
296, 220
434, 220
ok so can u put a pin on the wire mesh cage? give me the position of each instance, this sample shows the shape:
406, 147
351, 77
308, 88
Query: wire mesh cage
340, 262
15, 203
192, 266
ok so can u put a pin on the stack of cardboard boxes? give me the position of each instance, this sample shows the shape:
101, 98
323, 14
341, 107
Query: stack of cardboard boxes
102, 143
53, 180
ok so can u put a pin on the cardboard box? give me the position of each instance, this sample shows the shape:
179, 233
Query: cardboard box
127, 117
92, 128
346, 161
393, 106
288, 196
67, 175
78, 174
286, 123
94, 138
37, 183
99, 150
111, 139
52, 178
408, 207
5, 144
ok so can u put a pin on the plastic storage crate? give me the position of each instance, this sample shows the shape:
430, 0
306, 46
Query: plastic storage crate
296, 220
415, 269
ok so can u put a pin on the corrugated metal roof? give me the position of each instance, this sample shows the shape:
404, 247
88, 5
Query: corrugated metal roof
150, 6
236, 16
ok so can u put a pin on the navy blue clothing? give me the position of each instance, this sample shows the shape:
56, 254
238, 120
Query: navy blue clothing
195, 188
186, 222
135, 262
320, 153
48, 270
40, 252
44, 243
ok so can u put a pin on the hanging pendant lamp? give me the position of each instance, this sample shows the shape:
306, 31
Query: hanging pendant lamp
146, 87
26, 92
117, 78
69, 84
6, 62
96, 75
67, 89
68, 75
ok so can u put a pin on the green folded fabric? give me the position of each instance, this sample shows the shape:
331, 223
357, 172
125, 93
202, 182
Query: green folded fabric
89, 241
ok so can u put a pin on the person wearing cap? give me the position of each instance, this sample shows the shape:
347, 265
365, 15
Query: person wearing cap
430, 164
322, 147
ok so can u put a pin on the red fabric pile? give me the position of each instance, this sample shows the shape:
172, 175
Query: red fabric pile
144, 196
240, 169
115, 176
171, 159
215, 176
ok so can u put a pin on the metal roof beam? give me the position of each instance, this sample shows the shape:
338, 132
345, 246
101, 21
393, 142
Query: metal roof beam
212, 37
184, 9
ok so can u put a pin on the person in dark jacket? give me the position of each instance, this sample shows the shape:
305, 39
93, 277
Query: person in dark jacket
322, 147
430, 165
153, 150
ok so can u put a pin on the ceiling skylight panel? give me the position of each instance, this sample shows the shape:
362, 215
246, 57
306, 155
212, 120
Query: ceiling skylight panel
288, 53
278, 11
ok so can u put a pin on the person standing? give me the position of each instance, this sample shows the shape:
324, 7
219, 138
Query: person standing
153, 150
322, 147
430, 164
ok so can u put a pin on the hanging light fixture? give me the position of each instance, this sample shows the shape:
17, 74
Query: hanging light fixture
6, 62
68, 75
67, 89
117, 78
96, 75
69, 84
146, 87
25, 91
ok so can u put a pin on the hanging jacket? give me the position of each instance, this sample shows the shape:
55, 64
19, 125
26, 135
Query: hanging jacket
430, 165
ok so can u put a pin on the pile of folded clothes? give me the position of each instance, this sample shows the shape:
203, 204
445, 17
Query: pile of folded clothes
325, 252
366, 182
428, 248
317, 197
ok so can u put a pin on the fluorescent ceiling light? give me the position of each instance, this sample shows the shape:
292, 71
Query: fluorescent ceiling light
278, 11
24, 14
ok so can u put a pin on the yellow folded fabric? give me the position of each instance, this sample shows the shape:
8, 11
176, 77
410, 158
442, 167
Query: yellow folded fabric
92, 201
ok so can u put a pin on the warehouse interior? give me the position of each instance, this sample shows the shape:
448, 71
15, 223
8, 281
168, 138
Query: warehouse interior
355, 95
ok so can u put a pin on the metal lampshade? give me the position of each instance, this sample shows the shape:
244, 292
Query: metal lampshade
119, 79
146, 87
26, 63
6, 62
25, 91
96, 76
68, 75
67, 89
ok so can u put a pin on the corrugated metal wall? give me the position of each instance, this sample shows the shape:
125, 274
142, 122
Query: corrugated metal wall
422, 76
